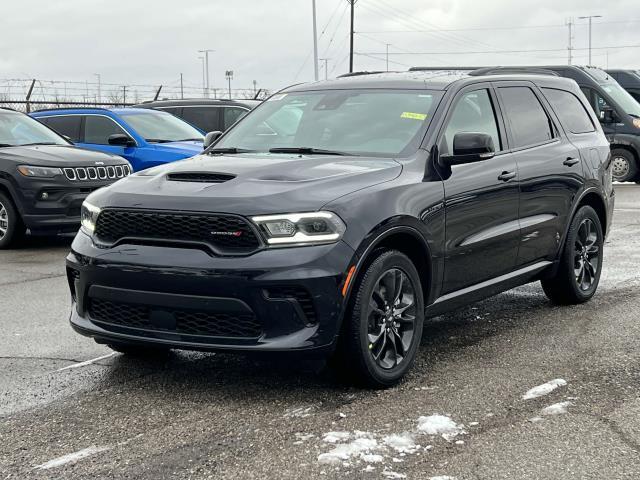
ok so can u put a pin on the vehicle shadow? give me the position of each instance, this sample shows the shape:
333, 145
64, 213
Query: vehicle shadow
37, 242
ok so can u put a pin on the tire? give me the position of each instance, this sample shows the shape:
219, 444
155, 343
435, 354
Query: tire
578, 275
623, 165
141, 351
367, 329
11, 227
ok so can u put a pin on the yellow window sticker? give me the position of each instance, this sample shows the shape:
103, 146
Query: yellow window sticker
414, 116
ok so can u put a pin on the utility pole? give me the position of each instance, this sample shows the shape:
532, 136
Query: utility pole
590, 17
326, 67
315, 41
206, 63
570, 47
181, 87
387, 56
255, 87
353, 4
99, 87
124, 95
229, 75
204, 86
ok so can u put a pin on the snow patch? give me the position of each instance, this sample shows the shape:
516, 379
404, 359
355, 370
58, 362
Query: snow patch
442, 477
544, 389
440, 425
402, 443
335, 437
301, 412
390, 474
358, 448
71, 457
556, 408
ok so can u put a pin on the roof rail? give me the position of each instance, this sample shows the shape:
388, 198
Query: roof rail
358, 74
84, 107
512, 70
443, 69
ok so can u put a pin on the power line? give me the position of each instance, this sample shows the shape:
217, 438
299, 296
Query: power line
502, 51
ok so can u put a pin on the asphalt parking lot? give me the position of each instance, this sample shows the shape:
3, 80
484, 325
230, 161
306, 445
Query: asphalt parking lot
70, 408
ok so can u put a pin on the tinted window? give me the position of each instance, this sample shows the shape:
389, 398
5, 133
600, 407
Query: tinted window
529, 122
205, 118
97, 130
572, 113
232, 115
159, 127
473, 113
68, 126
171, 110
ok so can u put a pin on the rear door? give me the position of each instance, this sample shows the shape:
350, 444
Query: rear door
65, 125
481, 199
550, 170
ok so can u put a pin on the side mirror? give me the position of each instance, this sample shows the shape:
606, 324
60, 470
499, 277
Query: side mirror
608, 115
121, 140
211, 137
469, 147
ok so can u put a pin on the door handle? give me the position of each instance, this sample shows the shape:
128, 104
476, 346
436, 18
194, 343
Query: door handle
506, 176
570, 161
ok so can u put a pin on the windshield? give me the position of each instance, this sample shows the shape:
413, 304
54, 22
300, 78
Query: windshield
159, 127
622, 98
17, 129
356, 122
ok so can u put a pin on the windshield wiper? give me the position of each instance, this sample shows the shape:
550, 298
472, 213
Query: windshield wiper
309, 151
37, 143
229, 150
158, 140
6, 145
190, 140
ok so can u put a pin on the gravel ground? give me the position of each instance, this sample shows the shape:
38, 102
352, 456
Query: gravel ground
460, 413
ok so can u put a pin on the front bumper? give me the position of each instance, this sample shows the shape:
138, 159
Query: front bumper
274, 300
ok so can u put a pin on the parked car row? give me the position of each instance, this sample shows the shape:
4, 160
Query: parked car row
333, 219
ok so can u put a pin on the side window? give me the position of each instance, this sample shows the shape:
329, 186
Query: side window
473, 113
232, 115
172, 110
67, 125
570, 110
529, 122
97, 129
206, 119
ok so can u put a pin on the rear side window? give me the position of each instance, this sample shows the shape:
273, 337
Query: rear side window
570, 110
97, 130
206, 119
67, 125
232, 115
529, 122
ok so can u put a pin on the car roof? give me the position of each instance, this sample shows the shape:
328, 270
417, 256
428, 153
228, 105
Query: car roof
198, 101
92, 110
428, 80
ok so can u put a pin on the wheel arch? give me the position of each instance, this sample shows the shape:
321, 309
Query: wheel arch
593, 199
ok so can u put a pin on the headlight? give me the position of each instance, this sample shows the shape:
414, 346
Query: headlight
88, 216
301, 228
636, 122
42, 172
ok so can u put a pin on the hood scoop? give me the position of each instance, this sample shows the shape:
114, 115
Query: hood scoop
200, 177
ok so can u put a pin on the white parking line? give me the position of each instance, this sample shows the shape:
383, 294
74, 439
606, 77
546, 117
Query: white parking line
71, 457
85, 363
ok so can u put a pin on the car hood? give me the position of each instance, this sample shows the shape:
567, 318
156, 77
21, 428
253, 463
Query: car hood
184, 148
259, 184
57, 156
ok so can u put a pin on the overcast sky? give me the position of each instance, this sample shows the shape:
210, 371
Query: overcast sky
270, 41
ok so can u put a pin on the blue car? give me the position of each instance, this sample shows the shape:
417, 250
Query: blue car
146, 138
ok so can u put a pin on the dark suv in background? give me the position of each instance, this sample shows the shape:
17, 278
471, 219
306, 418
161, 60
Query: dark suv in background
44, 179
629, 80
209, 115
388, 198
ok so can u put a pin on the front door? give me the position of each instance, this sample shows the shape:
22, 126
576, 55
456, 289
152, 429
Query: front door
481, 199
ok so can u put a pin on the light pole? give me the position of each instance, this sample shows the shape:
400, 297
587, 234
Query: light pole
590, 17
99, 87
387, 44
204, 87
315, 41
206, 63
326, 67
229, 75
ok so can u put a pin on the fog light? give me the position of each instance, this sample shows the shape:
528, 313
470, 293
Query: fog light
44, 196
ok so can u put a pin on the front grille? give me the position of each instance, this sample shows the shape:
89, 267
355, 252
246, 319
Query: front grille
200, 177
226, 234
83, 174
299, 294
187, 322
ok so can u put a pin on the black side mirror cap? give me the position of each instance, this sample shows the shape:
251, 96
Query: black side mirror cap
211, 137
608, 115
469, 147
121, 140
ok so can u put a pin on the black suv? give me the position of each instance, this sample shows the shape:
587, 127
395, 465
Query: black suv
44, 179
209, 115
336, 216
629, 80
